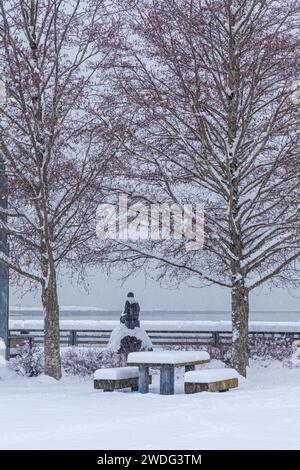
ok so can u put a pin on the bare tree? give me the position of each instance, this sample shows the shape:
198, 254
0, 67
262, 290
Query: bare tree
53, 56
205, 106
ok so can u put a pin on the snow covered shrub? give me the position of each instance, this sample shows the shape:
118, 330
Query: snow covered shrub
227, 357
28, 361
267, 346
270, 346
83, 361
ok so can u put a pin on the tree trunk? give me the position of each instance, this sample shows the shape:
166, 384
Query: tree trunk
240, 316
52, 365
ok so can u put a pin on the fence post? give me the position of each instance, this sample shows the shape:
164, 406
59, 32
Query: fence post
7, 352
73, 338
215, 336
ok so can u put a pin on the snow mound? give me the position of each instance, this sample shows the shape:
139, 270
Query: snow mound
213, 364
116, 373
5, 372
121, 331
210, 375
167, 357
295, 359
46, 380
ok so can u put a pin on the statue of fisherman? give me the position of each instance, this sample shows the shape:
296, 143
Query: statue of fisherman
130, 316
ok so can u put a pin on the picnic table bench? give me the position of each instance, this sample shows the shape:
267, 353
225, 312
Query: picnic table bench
166, 361
117, 378
211, 380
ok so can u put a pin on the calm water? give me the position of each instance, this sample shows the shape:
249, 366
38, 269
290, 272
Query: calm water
86, 314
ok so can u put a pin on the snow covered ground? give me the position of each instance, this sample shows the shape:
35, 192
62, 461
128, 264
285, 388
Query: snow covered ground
168, 325
264, 413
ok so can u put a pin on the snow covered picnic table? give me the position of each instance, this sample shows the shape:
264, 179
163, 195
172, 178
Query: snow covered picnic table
166, 361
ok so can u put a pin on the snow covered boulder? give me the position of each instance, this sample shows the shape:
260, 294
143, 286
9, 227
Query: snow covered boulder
210, 380
124, 340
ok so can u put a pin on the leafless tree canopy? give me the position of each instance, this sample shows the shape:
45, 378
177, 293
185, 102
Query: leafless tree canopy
54, 55
206, 95
174, 101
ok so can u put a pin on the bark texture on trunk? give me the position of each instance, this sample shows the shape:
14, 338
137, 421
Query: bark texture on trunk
239, 294
240, 316
52, 365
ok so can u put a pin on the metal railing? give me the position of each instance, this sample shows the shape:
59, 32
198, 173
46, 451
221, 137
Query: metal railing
159, 338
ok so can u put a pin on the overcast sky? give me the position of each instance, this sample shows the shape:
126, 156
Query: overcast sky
108, 294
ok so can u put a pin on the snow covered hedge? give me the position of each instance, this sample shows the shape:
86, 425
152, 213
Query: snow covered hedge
75, 360
271, 347
29, 361
83, 361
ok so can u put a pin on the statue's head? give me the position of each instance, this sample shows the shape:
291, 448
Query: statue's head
130, 294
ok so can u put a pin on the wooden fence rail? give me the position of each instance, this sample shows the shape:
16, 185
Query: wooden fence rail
160, 338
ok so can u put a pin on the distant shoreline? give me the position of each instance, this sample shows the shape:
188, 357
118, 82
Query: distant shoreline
76, 308
94, 313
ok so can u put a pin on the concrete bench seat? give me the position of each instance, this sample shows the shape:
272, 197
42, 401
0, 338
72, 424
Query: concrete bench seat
117, 378
210, 380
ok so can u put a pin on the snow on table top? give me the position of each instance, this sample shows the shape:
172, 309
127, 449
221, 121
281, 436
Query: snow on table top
167, 357
116, 373
210, 375
160, 325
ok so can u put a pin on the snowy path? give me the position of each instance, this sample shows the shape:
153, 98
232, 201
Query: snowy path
264, 413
